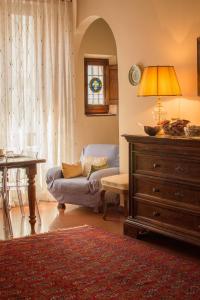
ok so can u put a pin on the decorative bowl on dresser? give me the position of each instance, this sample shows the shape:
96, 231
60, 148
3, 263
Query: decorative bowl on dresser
164, 187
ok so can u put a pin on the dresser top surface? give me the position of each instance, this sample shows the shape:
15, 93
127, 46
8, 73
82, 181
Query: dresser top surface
163, 139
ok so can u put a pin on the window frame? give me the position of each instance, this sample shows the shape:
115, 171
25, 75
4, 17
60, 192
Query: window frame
91, 109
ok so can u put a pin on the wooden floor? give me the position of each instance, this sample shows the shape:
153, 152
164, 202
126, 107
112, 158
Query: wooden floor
53, 219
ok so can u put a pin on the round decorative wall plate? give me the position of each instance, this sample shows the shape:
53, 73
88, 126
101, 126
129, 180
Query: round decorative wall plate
134, 74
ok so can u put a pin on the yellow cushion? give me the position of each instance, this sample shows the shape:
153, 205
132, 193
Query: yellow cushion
116, 181
88, 161
72, 170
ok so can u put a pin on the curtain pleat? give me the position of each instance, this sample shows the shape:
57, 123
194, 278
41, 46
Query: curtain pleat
36, 81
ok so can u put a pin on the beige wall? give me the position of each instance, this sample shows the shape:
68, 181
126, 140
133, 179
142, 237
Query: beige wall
153, 32
98, 40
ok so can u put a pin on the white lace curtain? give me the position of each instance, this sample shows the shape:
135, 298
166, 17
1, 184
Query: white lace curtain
36, 79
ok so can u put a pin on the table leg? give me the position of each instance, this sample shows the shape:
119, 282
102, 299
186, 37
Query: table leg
124, 200
125, 206
6, 204
31, 172
104, 204
6, 217
125, 203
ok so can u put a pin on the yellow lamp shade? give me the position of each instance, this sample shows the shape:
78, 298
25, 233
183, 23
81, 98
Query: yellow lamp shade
159, 81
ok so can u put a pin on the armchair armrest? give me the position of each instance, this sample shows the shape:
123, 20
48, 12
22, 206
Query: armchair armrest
95, 178
103, 173
53, 174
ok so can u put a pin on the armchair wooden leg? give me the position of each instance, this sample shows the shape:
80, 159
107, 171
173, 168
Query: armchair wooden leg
61, 206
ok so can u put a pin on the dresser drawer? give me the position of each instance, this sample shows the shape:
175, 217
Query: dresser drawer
179, 194
166, 167
172, 150
166, 217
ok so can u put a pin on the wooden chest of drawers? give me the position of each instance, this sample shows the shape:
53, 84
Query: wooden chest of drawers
164, 187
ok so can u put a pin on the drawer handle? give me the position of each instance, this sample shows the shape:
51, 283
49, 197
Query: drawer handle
156, 214
179, 169
155, 165
178, 194
155, 190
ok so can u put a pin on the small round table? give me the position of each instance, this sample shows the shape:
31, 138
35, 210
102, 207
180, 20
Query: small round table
116, 184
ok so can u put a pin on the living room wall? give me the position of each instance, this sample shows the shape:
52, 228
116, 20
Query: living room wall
97, 41
153, 32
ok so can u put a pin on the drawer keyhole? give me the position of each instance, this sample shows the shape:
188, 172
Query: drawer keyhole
179, 169
156, 214
178, 194
155, 165
155, 190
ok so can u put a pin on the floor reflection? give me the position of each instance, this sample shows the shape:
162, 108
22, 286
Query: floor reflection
53, 219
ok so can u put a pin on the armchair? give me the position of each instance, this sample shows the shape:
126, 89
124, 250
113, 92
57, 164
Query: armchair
80, 190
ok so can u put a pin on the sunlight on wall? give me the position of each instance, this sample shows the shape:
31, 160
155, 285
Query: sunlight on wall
153, 32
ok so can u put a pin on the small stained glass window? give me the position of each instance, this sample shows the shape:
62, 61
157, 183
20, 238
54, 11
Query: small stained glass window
95, 85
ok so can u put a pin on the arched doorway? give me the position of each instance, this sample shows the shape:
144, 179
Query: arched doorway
97, 42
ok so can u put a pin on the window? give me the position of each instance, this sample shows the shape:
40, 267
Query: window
96, 86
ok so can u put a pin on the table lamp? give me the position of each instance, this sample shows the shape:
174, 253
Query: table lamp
159, 81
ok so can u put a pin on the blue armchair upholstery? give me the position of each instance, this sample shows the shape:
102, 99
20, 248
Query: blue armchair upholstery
80, 190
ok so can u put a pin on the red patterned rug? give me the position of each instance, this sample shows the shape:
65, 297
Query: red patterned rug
88, 263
